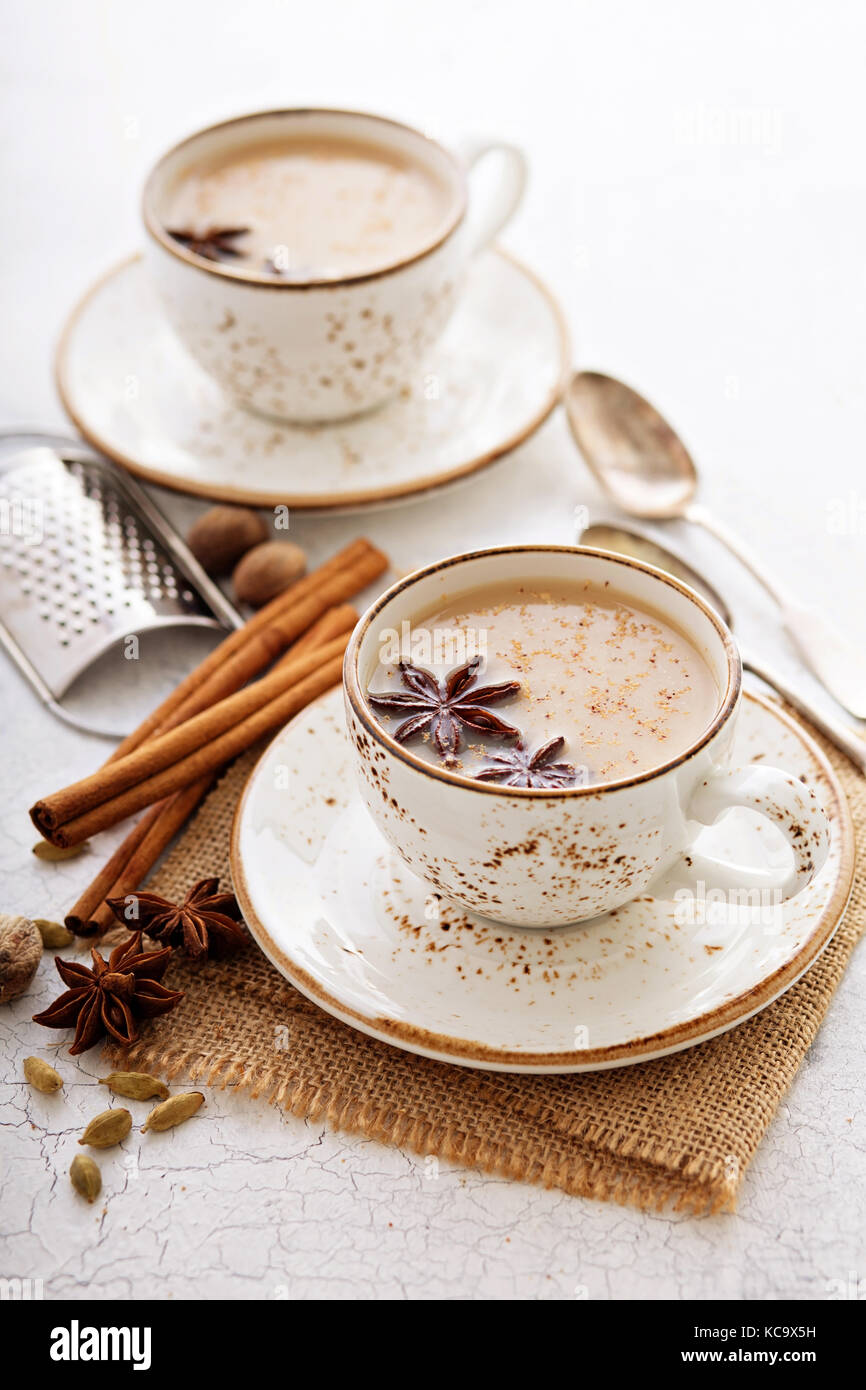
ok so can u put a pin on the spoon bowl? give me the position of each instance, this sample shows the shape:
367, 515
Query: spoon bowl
643, 465
635, 455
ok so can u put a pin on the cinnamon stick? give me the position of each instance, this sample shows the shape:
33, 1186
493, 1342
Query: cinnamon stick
133, 860
267, 643
80, 916
358, 564
204, 758
171, 814
162, 751
334, 623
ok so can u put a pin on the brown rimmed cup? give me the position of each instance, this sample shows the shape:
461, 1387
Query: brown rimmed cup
542, 858
270, 341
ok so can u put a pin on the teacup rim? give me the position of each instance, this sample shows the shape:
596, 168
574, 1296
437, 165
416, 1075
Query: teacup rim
354, 694
257, 279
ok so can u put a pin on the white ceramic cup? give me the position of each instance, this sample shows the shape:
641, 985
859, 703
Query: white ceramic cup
540, 858
281, 346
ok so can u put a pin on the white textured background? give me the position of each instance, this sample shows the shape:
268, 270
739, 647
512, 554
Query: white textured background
697, 201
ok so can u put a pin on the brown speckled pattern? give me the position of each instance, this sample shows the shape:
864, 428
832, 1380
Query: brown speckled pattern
184, 433
338, 911
572, 860
353, 348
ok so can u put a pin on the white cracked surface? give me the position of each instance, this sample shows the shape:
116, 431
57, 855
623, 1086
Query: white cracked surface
711, 256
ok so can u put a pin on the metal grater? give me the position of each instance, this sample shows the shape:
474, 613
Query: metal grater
86, 559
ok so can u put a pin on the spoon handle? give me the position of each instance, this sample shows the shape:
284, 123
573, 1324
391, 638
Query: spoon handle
838, 664
845, 739
701, 517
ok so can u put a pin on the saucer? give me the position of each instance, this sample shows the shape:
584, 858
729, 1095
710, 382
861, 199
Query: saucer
135, 393
342, 917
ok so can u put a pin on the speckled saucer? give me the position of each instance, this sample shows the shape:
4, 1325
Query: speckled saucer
341, 916
135, 393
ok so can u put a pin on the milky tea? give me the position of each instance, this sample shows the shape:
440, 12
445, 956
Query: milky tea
609, 689
313, 207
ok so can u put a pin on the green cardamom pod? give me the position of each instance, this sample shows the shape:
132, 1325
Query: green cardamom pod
85, 1177
173, 1111
43, 849
41, 1075
53, 934
107, 1129
135, 1085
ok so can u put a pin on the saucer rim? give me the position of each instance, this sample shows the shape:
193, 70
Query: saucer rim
676, 1038
329, 501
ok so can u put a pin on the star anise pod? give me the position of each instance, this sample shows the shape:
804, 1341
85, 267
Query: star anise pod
442, 706
517, 767
215, 244
109, 997
206, 923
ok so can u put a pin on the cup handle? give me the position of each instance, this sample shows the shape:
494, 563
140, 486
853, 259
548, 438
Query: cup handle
487, 216
785, 801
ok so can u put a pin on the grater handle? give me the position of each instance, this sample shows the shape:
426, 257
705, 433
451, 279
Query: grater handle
81, 724
32, 675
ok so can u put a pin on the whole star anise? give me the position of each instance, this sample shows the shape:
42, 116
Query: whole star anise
442, 706
215, 244
519, 768
109, 997
206, 923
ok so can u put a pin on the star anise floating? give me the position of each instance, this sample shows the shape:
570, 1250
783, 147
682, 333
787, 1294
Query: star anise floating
110, 997
517, 767
206, 924
214, 244
443, 706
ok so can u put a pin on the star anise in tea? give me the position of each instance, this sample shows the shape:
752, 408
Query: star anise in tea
111, 996
215, 244
443, 706
517, 767
206, 923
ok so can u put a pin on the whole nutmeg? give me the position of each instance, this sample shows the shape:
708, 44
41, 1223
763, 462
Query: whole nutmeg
268, 570
221, 536
20, 953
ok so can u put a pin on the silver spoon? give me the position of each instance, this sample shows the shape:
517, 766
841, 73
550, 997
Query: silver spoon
640, 546
645, 467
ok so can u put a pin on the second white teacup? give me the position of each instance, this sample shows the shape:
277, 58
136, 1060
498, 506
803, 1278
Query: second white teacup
317, 343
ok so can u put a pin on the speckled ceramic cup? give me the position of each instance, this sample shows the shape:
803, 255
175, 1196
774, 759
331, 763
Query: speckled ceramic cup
318, 350
541, 858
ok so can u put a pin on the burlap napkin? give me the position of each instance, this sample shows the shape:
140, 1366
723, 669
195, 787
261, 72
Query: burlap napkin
680, 1130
